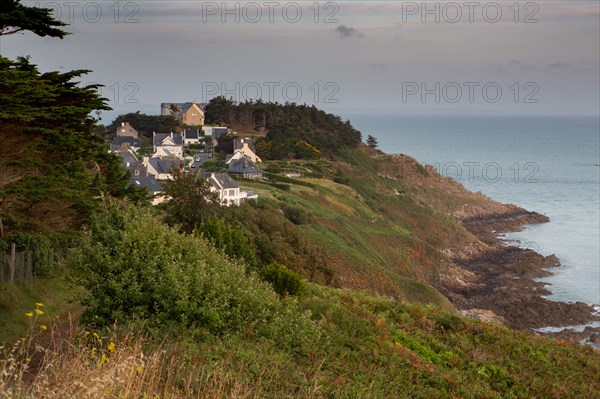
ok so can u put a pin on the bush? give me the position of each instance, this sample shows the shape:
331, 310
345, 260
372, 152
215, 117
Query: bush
134, 268
231, 237
283, 280
296, 215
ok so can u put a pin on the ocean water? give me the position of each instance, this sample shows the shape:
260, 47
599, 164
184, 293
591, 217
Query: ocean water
550, 165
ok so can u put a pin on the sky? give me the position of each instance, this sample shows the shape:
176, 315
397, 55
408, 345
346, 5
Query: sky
347, 57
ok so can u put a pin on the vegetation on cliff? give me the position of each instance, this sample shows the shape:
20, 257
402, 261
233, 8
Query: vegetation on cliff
168, 315
325, 287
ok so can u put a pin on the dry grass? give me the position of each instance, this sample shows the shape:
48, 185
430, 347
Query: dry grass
87, 365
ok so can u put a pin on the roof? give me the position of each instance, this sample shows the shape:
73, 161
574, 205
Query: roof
218, 132
186, 107
127, 157
149, 182
220, 181
165, 165
158, 138
238, 144
243, 166
191, 133
126, 129
132, 141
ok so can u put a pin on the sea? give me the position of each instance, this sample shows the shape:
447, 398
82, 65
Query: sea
546, 164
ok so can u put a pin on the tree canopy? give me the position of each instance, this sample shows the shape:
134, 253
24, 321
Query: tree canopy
53, 168
146, 124
293, 131
15, 17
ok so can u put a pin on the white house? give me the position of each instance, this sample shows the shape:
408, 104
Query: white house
167, 145
228, 189
162, 168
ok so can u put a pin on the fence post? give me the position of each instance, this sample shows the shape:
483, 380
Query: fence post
11, 262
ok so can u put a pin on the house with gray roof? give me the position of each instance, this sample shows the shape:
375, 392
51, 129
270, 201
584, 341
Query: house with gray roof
162, 168
125, 143
152, 185
246, 147
227, 188
190, 113
244, 167
167, 145
127, 130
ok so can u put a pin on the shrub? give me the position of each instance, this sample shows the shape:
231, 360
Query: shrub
134, 268
283, 280
231, 237
296, 215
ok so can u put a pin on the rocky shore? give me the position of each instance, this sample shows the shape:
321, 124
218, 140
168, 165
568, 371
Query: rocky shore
498, 284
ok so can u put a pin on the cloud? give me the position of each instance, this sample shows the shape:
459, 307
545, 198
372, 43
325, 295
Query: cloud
379, 66
346, 32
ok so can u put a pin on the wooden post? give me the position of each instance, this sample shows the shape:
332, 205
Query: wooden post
11, 262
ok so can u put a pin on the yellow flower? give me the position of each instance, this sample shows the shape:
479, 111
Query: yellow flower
39, 312
139, 369
29, 314
40, 305
43, 327
103, 359
111, 347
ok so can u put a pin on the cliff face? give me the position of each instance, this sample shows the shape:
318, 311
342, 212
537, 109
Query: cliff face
397, 228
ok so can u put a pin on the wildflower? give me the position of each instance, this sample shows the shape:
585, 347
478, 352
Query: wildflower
43, 327
40, 305
29, 314
139, 369
111, 347
39, 312
103, 359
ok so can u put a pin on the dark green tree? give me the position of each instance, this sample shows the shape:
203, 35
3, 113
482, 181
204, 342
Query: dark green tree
219, 111
146, 124
372, 142
53, 165
191, 201
15, 17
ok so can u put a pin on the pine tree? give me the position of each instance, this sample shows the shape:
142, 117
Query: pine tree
15, 17
52, 166
372, 142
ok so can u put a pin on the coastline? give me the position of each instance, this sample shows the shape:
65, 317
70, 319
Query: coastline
500, 283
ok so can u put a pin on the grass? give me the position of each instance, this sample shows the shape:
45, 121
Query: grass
376, 239
371, 347
18, 299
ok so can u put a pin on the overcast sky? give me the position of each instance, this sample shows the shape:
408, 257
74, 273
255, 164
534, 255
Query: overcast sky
347, 57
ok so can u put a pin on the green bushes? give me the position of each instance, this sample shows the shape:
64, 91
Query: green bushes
231, 237
134, 268
283, 280
297, 215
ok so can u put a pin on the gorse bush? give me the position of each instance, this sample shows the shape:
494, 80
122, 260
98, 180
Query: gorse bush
231, 237
283, 280
135, 268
